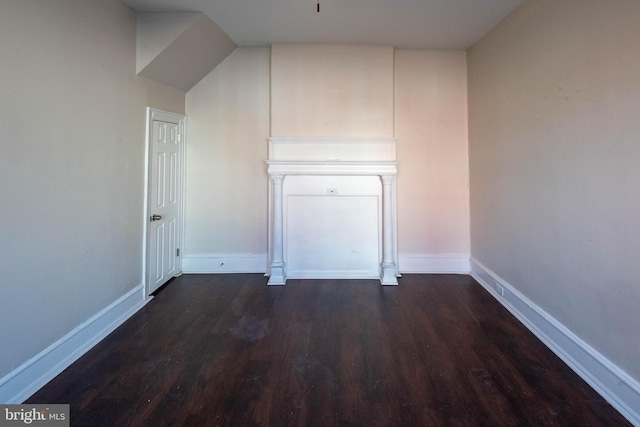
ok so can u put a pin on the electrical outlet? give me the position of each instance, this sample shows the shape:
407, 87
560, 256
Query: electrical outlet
499, 289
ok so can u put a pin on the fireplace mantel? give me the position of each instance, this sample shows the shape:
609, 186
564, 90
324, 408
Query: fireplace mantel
332, 158
305, 167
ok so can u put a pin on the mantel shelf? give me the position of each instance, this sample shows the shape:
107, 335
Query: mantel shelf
330, 167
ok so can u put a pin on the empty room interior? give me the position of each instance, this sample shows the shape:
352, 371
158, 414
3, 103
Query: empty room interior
424, 179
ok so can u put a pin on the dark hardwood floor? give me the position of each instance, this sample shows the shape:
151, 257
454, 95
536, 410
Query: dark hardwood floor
227, 350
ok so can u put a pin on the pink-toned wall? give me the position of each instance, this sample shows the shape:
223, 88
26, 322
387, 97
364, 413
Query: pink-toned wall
325, 91
339, 91
433, 172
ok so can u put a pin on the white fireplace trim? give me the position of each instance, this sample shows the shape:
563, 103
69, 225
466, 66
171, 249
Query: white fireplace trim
380, 168
362, 157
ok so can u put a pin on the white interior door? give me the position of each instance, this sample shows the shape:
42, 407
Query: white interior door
164, 202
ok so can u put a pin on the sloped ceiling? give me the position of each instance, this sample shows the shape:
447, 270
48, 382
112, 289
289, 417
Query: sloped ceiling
179, 49
423, 24
156, 31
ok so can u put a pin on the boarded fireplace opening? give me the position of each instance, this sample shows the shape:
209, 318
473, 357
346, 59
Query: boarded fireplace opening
332, 226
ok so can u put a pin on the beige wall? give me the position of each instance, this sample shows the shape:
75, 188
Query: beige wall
554, 124
431, 129
72, 115
228, 126
338, 91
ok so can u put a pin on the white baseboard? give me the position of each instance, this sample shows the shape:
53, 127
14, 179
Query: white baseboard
25, 380
224, 263
333, 274
434, 263
616, 386
257, 263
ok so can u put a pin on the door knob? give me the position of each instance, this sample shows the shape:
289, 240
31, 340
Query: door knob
156, 217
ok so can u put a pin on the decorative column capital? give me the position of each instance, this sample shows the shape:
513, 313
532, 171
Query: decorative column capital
277, 179
387, 179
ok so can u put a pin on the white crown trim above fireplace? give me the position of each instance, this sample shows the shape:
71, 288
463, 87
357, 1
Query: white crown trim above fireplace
335, 176
337, 168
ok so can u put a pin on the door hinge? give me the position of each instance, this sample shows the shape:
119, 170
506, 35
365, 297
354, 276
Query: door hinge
178, 252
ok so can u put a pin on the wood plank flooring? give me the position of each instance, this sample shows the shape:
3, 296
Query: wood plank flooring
227, 350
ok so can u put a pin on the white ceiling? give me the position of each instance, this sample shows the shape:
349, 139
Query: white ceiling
426, 24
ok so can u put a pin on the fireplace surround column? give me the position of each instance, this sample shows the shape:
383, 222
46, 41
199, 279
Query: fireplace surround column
277, 276
388, 266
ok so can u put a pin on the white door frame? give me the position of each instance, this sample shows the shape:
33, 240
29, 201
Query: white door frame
181, 120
